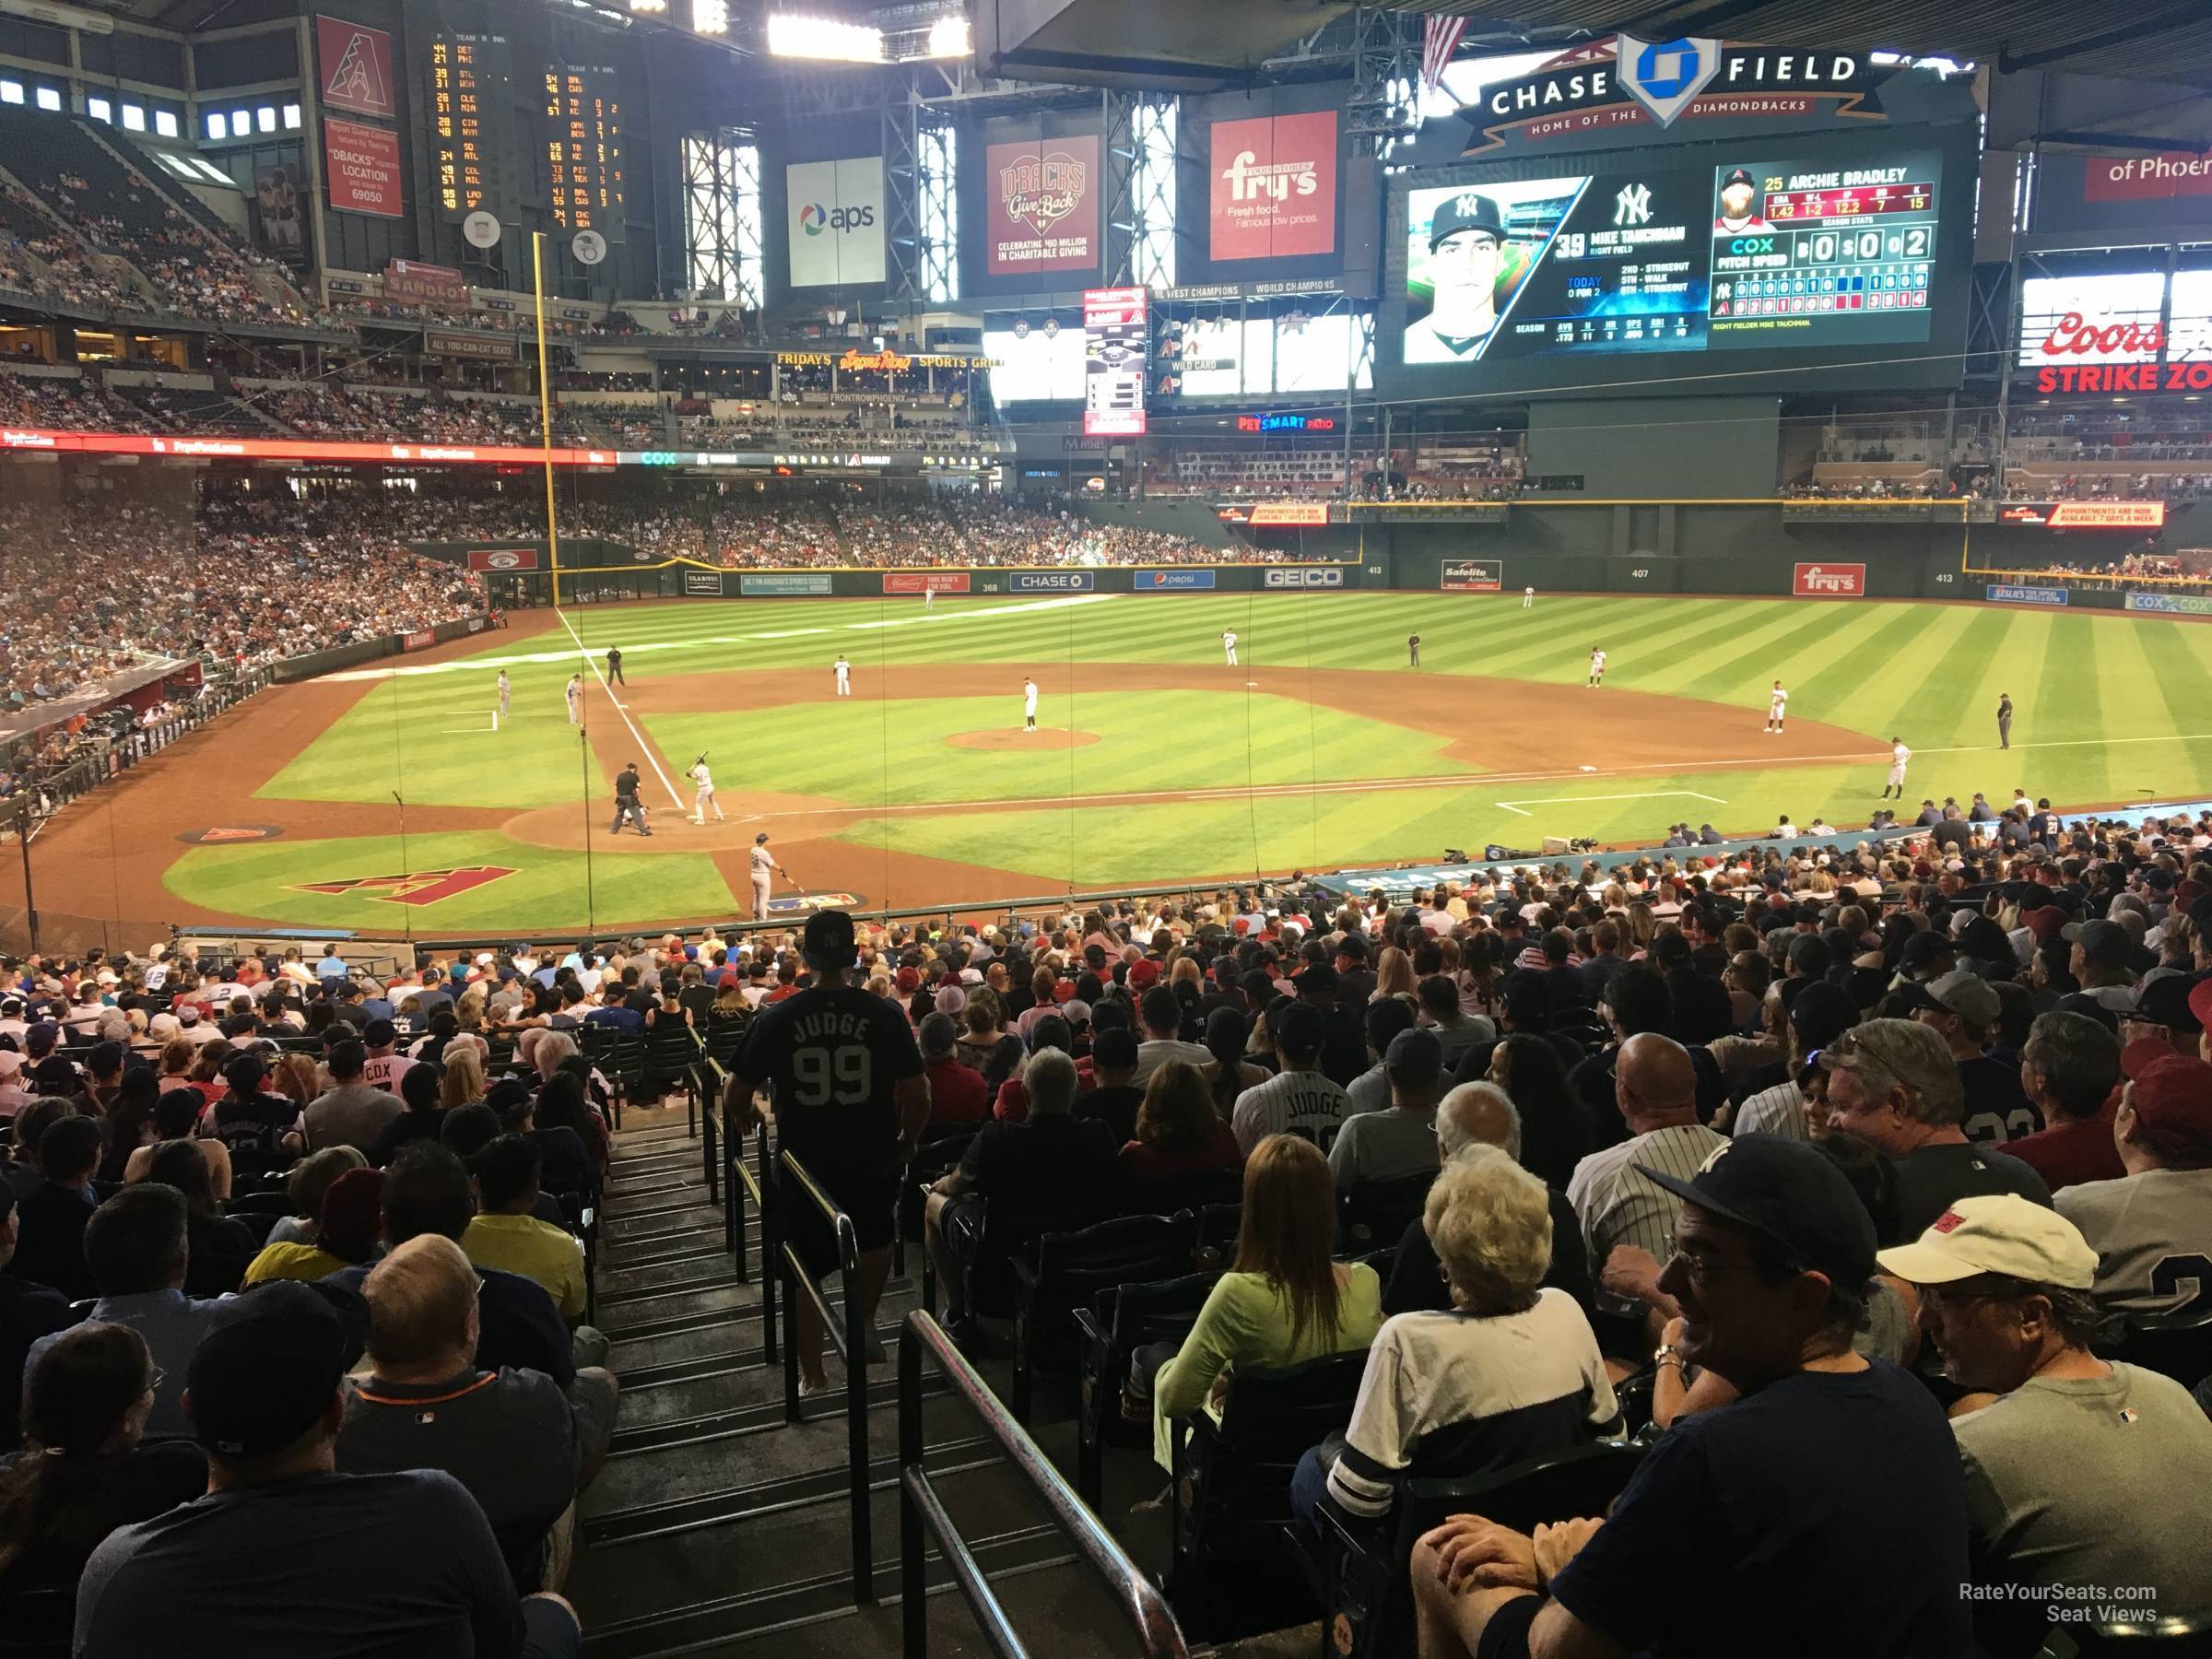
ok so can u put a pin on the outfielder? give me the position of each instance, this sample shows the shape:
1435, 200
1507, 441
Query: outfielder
1597, 667
845, 676
1528, 597
703, 796
1775, 704
505, 691
764, 864
1229, 645
627, 807
1028, 705
575, 698
929, 595
1899, 755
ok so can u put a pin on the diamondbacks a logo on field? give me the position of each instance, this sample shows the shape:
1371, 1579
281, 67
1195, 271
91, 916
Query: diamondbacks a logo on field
1040, 191
414, 886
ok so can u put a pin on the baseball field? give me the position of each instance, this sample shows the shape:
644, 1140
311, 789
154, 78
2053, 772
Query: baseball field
389, 799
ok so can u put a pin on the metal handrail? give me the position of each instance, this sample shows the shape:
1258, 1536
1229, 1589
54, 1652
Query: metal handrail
1141, 1603
851, 1347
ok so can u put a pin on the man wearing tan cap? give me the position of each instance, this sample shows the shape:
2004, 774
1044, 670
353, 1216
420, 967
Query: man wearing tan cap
2079, 1472
2152, 1228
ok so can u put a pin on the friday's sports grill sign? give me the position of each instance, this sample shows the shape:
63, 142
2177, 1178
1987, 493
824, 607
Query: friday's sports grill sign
1829, 581
1628, 82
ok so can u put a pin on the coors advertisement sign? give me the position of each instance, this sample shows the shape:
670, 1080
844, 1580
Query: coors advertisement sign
1274, 186
1043, 205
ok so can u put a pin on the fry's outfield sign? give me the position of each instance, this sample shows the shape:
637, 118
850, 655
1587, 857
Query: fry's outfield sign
1829, 582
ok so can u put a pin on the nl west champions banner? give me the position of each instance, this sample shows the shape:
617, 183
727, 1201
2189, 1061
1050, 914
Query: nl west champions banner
1760, 252
833, 222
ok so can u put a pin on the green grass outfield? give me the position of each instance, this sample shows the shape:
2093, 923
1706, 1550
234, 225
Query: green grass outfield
2111, 707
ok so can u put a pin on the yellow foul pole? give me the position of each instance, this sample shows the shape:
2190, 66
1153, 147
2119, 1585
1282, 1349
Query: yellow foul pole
545, 408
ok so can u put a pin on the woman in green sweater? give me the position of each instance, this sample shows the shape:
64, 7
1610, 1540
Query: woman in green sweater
1285, 1300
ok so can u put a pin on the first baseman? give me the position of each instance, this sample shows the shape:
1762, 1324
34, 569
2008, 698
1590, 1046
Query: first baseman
575, 698
505, 690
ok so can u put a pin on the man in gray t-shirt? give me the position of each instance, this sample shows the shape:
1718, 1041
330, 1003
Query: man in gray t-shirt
349, 1112
1387, 1145
2081, 1475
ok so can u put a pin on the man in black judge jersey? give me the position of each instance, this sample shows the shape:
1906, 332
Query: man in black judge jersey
845, 1083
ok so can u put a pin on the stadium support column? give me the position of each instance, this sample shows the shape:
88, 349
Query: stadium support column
545, 408
902, 201
1117, 120
1380, 109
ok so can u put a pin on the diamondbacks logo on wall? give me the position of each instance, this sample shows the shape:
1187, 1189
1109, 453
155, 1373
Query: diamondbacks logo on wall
357, 66
1042, 210
221, 835
416, 887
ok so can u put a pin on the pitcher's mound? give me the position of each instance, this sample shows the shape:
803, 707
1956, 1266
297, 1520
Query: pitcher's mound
1014, 738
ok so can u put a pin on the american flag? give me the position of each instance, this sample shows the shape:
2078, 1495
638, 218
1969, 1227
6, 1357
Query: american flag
1440, 40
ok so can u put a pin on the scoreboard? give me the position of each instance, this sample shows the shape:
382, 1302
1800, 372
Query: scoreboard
471, 110
583, 147
1810, 264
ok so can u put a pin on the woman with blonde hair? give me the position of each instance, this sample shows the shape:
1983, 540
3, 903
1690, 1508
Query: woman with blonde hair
464, 1082
1394, 974
1511, 1373
293, 1077
1643, 927
1283, 1301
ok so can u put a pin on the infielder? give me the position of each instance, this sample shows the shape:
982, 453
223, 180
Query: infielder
703, 796
845, 676
505, 690
575, 698
2004, 720
1776, 701
1899, 755
1229, 645
764, 863
1028, 705
627, 807
1597, 667
613, 666
1528, 597
1413, 650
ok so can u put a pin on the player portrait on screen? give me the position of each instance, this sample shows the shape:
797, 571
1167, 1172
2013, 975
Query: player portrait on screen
1739, 192
1466, 242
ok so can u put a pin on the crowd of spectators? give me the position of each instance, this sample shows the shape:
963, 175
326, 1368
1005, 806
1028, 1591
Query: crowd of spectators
2024, 485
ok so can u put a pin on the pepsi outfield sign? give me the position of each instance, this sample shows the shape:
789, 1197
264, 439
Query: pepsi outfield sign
1051, 582
1161, 582
2004, 594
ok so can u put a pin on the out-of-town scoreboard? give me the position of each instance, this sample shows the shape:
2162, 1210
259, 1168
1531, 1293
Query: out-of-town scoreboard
583, 147
471, 112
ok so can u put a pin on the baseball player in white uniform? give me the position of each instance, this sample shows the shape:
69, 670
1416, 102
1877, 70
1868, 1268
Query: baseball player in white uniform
1528, 597
929, 596
505, 690
1597, 667
1229, 645
1899, 755
845, 676
1028, 705
764, 864
575, 698
702, 794
1777, 701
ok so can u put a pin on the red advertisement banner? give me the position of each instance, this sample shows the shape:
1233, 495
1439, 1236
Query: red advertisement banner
356, 64
292, 449
1042, 205
1273, 186
435, 285
2146, 178
362, 168
2108, 515
503, 558
924, 582
1830, 581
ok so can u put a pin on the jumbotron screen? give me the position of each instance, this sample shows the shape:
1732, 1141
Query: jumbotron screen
1799, 259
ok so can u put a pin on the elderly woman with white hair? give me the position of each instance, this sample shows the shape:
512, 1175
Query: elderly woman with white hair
1511, 1373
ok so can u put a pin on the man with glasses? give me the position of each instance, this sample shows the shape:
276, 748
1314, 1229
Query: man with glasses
2080, 1473
1822, 1513
2152, 1226
1892, 1084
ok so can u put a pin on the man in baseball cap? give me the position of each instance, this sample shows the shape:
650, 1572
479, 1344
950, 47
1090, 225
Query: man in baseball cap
1962, 1008
2162, 1206
264, 1402
2079, 1473
1835, 1472
1739, 189
1466, 238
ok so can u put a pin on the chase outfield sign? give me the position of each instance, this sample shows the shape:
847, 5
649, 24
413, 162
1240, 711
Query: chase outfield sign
1625, 81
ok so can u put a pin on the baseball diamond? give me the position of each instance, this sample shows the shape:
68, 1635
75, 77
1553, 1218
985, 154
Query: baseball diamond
1320, 748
